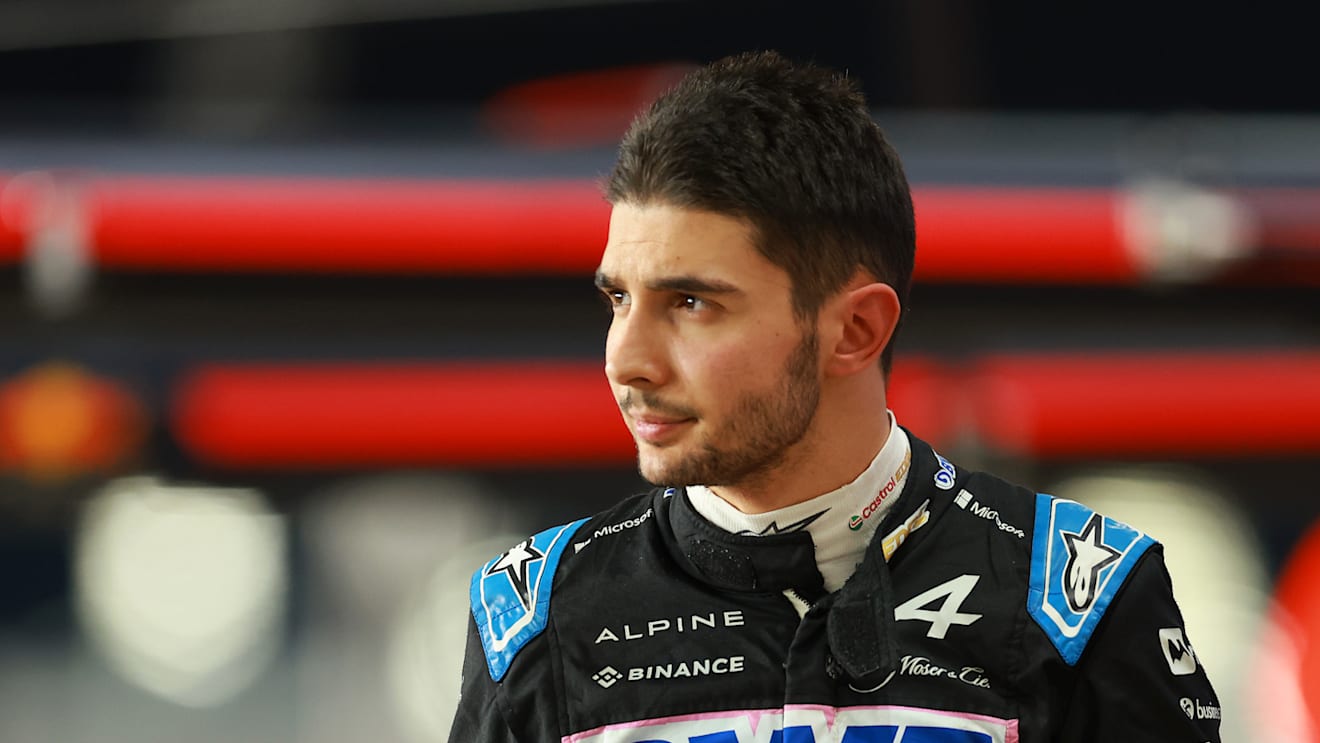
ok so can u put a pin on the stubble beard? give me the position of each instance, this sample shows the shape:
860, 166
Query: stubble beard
758, 436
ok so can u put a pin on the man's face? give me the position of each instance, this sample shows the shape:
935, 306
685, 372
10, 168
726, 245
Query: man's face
716, 377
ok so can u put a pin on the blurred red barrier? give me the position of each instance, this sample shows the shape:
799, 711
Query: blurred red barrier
579, 108
530, 413
1026, 235
1044, 407
1143, 405
17, 203
251, 224
1021, 235
987, 235
353, 415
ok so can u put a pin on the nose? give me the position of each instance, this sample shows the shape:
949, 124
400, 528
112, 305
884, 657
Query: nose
635, 355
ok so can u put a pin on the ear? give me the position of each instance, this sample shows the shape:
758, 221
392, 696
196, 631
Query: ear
868, 315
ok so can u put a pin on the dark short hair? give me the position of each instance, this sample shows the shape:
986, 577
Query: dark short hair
792, 149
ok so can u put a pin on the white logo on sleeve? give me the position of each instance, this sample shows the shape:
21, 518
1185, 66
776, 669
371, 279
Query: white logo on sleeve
1177, 651
1197, 711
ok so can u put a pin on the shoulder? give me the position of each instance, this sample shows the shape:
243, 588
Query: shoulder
1080, 561
1077, 560
511, 594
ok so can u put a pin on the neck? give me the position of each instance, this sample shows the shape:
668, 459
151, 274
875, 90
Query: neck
850, 427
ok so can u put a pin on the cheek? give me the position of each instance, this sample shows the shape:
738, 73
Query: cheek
721, 375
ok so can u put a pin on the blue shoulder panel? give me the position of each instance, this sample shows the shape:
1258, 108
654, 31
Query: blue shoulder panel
1079, 560
511, 595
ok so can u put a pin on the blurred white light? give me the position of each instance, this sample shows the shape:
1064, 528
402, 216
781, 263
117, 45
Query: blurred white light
390, 558
1214, 560
1178, 232
182, 589
58, 265
374, 540
425, 660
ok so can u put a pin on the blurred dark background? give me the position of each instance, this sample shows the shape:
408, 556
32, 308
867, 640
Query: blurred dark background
344, 58
281, 283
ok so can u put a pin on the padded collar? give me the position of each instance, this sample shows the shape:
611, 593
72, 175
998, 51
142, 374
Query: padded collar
861, 620
775, 562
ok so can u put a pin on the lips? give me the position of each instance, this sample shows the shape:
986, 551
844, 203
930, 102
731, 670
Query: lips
652, 420
658, 430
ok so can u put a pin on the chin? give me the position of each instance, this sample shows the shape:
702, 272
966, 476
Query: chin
653, 473
658, 471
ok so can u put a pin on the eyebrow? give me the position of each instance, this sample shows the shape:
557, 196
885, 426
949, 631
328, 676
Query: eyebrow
684, 283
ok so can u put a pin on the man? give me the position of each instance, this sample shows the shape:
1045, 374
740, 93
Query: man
807, 569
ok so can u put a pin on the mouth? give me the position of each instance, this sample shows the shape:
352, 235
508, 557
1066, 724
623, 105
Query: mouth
654, 421
658, 429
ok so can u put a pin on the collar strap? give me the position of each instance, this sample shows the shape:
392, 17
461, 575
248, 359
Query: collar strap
775, 562
861, 624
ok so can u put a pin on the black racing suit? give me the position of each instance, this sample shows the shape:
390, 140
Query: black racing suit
1001, 616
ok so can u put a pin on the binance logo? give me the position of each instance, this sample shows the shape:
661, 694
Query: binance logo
607, 677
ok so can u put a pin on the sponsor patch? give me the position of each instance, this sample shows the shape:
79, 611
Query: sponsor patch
1079, 560
895, 538
968, 502
1197, 711
811, 723
694, 668
1177, 651
511, 595
920, 666
631, 523
889, 487
666, 625
945, 478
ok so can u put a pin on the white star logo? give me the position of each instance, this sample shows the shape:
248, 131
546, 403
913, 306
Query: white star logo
775, 528
516, 563
1087, 556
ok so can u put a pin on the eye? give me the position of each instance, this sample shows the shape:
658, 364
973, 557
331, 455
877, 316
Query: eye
693, 304
615, 298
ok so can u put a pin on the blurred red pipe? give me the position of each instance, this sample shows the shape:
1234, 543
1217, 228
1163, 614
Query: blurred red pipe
358, 415
465, 227
1029, 235
1021, 235
189, 223
17, 206
234, 224
1190, 405
531, 413
578, 108
1148, 405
